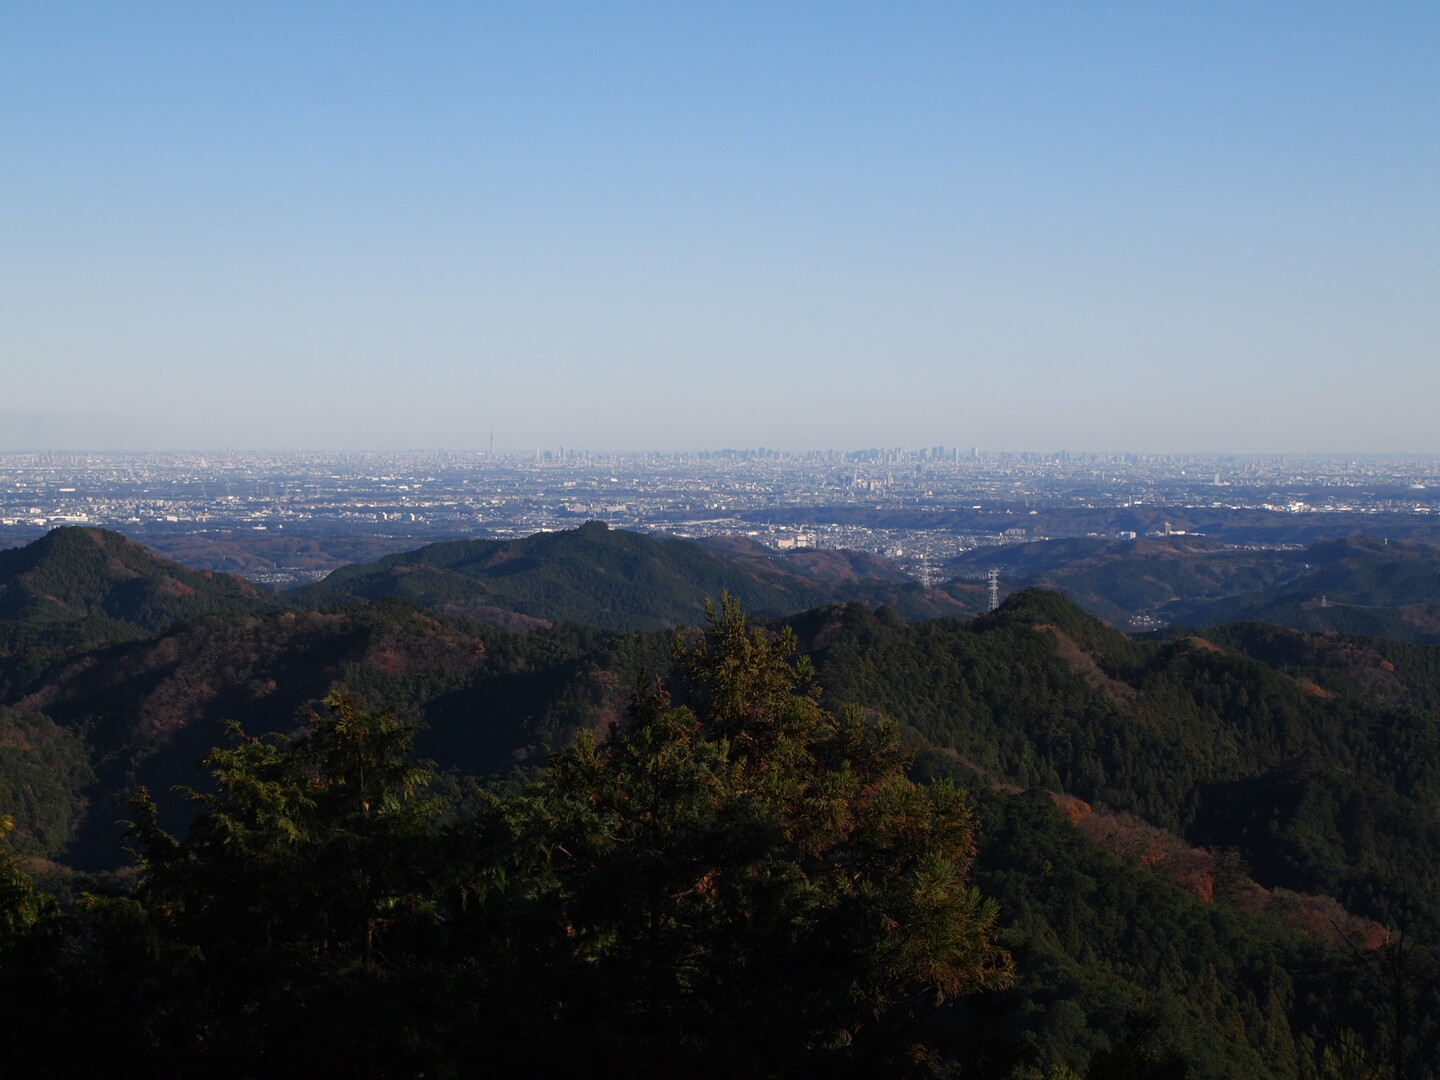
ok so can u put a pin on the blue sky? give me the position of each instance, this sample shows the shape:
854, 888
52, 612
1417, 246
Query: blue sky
1151, 226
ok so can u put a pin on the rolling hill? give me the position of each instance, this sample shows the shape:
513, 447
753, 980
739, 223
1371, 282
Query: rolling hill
71, 574
622, 580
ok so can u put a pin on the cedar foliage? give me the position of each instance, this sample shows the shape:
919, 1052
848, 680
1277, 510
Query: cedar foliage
739, 883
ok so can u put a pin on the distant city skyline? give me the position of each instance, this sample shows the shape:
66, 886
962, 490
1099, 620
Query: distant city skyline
11, 424
1110, 228
872, 455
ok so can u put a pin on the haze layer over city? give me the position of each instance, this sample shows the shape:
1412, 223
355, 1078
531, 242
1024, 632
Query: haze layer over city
247, 512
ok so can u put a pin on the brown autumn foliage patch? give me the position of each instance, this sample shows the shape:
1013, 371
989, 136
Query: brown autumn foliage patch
1208, 878
1083, 664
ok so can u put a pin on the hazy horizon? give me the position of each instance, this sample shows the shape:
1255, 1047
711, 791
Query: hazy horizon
1154, 227
514, 453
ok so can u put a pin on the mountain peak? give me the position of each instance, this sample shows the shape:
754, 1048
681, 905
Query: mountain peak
75, 572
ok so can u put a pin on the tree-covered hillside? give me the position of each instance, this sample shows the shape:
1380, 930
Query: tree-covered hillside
1214, 855
745, 885
1319, 789
72, 574
620, 580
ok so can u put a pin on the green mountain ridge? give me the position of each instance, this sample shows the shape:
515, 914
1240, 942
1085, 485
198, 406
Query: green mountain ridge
622, 580
76, 573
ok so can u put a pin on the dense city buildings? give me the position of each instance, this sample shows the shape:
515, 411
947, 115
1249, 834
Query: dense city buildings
917, 507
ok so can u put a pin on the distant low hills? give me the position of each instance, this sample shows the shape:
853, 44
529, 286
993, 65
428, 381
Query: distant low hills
1359, 585
92, 585
622, 580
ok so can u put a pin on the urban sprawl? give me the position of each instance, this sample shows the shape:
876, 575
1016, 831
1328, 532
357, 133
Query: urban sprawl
876, 500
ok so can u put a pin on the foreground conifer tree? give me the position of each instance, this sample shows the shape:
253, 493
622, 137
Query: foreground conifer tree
740, 883
278, 935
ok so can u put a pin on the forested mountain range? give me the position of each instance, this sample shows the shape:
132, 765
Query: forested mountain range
1204, 848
